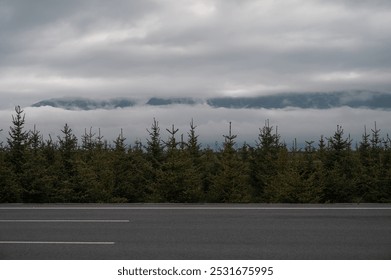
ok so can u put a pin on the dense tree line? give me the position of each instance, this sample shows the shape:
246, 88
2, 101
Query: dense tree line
178, 169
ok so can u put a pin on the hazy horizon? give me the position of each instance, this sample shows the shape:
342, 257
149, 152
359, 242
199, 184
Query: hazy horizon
193, 49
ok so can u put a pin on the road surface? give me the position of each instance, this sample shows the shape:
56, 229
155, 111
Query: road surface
170, 231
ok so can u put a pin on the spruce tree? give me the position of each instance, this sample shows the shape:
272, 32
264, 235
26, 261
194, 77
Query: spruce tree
154, 145
177, 180
139, 175
364, 149
10, 192
192, 141
171, 143
18, 141
264, 166
339, 145
232, 182
366, 181
310, 184
16, 156
34, 179
67, 148
51, 165
379, 169
121, 188
96, 174
88, 144
340, 168
68, 188
155, 156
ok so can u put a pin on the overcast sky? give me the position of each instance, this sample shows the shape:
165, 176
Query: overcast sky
144, 48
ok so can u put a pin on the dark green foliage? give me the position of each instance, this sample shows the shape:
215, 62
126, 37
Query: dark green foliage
231, 183
67, 148
178, 178
68, 188
35, 173
154, 145
264, 166
339, 168
38, 170
192, 143
15, 159
9, 188
17, 142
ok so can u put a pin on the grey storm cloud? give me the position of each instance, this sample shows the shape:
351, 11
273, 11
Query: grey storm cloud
192, 48
186, 48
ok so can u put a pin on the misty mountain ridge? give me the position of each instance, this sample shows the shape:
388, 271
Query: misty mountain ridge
155, 101
312, 100
85, 103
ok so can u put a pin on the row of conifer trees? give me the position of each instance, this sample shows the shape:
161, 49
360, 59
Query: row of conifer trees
88, 170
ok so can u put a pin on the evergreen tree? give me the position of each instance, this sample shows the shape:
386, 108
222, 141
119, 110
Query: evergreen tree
154, 145
139, 176
96, 173
264, 166
281, 188
35, 140
340, 169
53, 170
338, 145
178, 180
34, 178
172, 143
121, 189
68, 148
36, 170
194, 153
322, 147
87, 178
209, 167
310, 184
376, 139
364, 149
374, 183
385, 182
365, 182
88, 140
10, 191
18, 141
68, 188
88, 143
192, 142
232, 182
16, 156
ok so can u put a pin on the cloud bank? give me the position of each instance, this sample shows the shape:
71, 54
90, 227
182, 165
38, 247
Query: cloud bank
96, 48
212, 124
139, 49
318, 100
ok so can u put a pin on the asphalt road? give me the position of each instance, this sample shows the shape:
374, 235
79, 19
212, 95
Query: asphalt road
203, 232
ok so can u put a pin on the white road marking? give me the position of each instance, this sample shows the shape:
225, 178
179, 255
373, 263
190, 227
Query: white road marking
58, 242
64, 221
